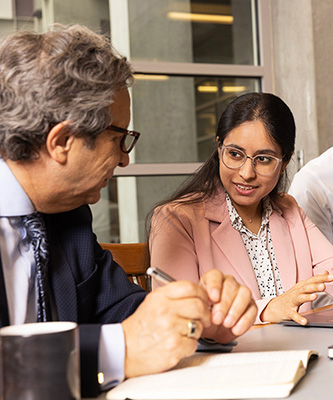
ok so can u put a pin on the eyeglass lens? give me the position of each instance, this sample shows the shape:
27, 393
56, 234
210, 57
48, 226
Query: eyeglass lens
127, 143
262, 163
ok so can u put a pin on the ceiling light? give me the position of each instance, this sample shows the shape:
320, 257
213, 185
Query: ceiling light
151, 77
232, 89
212, 18
207, 89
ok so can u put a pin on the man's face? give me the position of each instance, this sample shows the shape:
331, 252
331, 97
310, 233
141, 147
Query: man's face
92, 168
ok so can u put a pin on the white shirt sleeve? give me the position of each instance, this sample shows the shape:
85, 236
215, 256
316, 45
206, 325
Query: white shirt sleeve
112, 355
315, 198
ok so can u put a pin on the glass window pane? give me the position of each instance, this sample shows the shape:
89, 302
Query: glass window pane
93, 14
177, 116
115, 208
212, 31
24, 8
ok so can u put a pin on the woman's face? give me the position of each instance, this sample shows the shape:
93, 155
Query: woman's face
245, 187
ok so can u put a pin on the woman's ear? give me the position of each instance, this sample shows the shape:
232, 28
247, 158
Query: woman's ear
59, 142
285, 164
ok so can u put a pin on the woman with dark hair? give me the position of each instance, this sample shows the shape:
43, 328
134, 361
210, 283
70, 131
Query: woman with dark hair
233, 215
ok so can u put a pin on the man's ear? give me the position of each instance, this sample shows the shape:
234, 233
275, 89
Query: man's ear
59, 142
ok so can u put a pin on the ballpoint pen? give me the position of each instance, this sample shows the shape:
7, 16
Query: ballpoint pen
159, 275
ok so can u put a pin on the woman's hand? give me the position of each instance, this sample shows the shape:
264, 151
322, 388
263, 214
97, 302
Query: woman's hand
287, 304
233, 310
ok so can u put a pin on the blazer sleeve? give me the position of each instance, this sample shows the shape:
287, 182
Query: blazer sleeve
89, 344
312, 252
171, 244
321, 250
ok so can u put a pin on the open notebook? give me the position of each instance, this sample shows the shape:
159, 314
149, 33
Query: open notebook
221, 376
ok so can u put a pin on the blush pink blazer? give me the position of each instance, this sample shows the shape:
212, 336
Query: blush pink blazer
188, 240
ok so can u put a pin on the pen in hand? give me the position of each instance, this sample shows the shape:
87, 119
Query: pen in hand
159, 275
163, 277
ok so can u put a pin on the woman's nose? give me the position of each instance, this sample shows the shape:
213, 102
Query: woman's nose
247, 171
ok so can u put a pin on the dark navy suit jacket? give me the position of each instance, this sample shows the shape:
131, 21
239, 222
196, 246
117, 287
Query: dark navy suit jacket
88, 286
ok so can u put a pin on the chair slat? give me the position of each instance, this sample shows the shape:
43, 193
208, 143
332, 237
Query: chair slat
133, 258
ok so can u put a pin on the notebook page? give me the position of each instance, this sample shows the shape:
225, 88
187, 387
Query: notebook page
206, 359
273, 379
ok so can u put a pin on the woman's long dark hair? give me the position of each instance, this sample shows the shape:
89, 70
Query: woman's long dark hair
280, 125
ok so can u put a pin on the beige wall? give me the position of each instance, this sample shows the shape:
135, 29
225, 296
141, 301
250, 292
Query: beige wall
302, 50
322, 11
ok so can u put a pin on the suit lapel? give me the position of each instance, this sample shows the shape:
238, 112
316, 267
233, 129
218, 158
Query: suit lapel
63, 284
4, 317
61, 281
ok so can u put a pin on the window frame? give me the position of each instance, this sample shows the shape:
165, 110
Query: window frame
263, 72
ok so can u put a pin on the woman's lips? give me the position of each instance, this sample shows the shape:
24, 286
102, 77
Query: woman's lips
245, 190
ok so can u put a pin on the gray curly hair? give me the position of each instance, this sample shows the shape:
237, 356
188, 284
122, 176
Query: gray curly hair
70, 73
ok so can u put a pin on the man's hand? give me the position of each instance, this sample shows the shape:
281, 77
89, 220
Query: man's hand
156, 335
287, 304
233, 311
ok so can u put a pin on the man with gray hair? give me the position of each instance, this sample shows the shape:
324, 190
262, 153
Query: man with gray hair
64, 112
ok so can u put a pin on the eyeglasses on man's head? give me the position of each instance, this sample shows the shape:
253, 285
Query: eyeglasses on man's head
263, 164
129, 139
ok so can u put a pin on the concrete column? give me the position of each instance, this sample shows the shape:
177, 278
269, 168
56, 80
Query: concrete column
302, 32
322, 13
294, 69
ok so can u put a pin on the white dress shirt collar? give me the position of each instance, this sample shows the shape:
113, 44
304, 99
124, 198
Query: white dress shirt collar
13, 199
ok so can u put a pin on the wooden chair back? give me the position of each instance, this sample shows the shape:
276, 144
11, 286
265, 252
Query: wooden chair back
134, 259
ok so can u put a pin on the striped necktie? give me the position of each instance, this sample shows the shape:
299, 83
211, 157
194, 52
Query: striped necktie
36, 234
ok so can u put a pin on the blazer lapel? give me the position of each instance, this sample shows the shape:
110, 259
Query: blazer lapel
61, 281
230, 243
283, 249
63, 285
4, 316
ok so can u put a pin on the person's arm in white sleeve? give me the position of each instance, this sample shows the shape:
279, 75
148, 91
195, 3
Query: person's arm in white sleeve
311, 196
